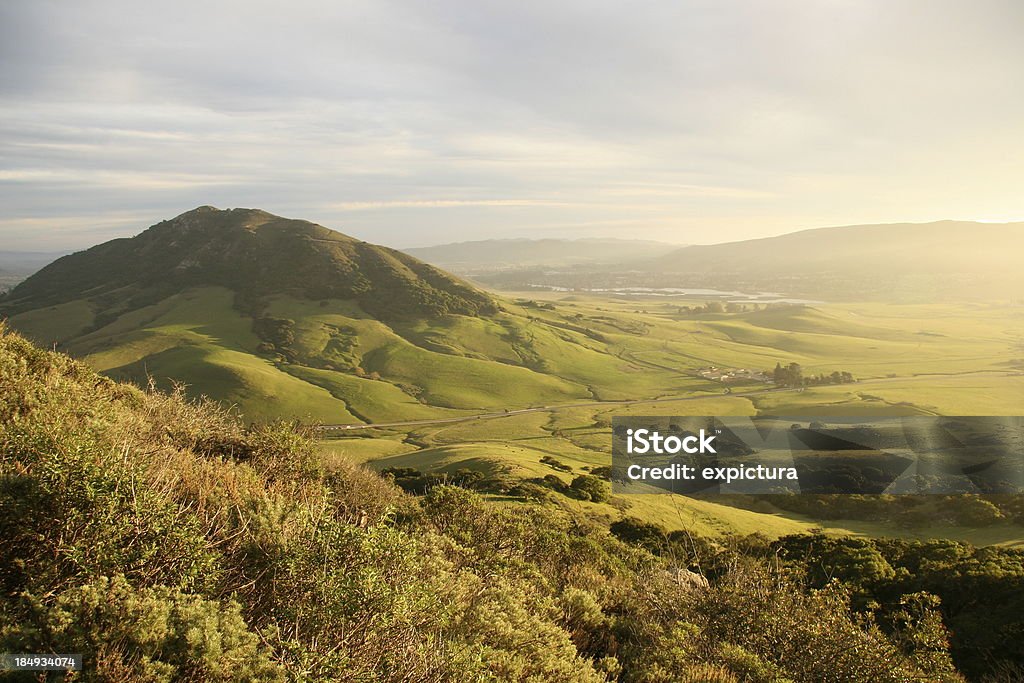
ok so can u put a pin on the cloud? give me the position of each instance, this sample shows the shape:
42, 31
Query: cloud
439, 204
127, 181
690, 121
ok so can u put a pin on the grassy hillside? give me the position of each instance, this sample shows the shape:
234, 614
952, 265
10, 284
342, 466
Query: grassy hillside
341, 365
570, 362
253, 253
908, 360
167, 541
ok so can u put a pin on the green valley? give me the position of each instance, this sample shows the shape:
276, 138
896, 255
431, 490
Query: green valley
499, 383
487, 416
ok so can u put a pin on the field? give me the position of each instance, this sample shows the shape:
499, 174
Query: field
543, 377
907, 359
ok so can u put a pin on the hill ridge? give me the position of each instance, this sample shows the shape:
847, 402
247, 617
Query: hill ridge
254, 253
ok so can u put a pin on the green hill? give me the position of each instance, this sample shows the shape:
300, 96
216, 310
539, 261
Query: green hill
283, 317
278, 316
254, 254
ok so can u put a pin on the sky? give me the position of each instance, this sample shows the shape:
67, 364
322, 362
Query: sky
411, 123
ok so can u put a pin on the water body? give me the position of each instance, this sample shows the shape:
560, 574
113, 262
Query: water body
683, 292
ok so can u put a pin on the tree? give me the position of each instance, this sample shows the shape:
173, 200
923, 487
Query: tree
790, 376
589, 487
647, 535
714, 307
796, 375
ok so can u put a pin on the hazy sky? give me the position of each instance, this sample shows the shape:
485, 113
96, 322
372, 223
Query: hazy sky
414, 123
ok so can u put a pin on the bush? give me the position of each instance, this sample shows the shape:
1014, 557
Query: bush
652, 537
154, 634
589, 487
974, 511
73, 509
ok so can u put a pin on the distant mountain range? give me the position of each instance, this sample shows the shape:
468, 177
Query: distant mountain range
945, 258
917, 247
899, 261
495, 255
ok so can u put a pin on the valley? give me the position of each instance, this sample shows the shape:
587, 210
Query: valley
334, 403
912, 373
503, 384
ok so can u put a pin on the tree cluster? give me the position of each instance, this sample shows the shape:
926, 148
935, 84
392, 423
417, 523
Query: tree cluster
792, 375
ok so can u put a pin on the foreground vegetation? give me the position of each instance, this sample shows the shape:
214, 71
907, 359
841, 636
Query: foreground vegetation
167, 541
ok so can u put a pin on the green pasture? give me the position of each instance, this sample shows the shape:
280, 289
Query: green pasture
579, 358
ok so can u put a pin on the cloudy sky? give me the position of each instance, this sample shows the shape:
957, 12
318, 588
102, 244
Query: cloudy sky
411, 123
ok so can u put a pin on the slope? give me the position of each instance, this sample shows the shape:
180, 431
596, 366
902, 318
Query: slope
253, 253
286, 318
945, 258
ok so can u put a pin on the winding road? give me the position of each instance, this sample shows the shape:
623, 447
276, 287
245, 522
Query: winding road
637, 401
542, 409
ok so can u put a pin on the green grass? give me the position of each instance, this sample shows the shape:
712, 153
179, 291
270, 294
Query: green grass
492, 459
199, 340
580, 350
362, 450
459, 382
55, 323
371, 400
348, 367
971, 394
910, 342
256, 387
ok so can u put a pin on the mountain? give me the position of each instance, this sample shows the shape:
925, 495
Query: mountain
283, 317
15, 266
253, 253
945, 260
489, 255
948, 258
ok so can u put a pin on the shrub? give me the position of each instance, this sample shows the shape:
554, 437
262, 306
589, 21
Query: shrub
652, 537
589, 487
73, 509
154, 634
974, 511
